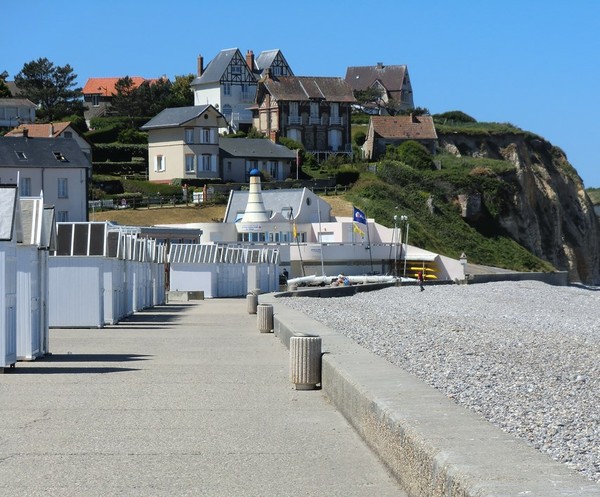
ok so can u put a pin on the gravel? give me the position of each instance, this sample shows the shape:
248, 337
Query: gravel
524, 355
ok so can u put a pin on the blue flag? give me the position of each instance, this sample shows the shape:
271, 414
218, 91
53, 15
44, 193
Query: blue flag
359, 216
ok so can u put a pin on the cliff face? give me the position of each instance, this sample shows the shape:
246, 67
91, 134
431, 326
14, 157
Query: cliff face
549, 213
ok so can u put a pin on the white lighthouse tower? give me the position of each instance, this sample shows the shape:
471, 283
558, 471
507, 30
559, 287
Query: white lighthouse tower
255, 216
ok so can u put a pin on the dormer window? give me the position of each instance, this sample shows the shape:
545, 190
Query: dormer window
59, 156
20, 155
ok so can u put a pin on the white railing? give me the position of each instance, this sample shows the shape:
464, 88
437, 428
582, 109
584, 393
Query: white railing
294, 119
241, 117
314, 120
336, 120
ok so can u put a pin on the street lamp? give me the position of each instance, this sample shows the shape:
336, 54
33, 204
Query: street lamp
404, 219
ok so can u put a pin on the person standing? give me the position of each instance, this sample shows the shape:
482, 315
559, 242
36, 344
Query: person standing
420, 280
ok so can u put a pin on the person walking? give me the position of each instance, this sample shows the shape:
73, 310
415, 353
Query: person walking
420, 280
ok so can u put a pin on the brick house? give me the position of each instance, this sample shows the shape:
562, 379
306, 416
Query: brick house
394, 130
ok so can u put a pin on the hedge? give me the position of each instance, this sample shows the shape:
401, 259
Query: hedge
120, 168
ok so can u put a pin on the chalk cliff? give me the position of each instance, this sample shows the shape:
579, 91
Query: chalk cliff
548, 211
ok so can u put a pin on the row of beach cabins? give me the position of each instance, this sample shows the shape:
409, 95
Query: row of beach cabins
90, 275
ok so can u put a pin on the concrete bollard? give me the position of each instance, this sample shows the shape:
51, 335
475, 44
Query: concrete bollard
305, 362
251, 303
265, 318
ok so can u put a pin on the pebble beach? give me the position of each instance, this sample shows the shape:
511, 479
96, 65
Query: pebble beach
524, 355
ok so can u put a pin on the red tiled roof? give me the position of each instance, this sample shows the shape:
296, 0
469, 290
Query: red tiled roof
405, 127
40, 130
106, 86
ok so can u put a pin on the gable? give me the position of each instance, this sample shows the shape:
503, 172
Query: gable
178, 116
390, 77
229, 66
275, 62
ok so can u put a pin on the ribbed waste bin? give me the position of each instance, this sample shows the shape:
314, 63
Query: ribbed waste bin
251, 303
264, 317
305, 362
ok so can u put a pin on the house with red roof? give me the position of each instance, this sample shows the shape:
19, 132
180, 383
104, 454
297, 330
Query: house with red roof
98, 94
394, 130
62, 130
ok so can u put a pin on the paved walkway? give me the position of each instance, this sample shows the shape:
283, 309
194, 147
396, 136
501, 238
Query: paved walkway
178, 400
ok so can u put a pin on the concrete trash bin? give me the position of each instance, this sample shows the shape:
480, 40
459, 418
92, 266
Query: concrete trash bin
251, 303
305, 362
265, 318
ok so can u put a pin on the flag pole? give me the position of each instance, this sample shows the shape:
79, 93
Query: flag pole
295, 234
369, 240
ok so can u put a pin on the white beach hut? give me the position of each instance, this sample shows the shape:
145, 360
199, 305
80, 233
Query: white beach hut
39, 236
10, 233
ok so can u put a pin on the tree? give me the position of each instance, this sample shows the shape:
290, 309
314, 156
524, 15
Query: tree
52, 87
124, 102
4, 91
412, 154
181, 92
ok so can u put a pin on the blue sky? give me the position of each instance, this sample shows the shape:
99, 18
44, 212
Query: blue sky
533, 63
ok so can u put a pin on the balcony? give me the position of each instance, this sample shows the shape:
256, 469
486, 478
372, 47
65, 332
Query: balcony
336, 121
315, 120
241, 117
295, 120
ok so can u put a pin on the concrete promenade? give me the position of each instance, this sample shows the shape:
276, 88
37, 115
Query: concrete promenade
183, 399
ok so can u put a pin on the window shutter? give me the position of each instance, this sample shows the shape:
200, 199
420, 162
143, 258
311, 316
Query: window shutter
164, 168
155, 163
213, 163
213, 135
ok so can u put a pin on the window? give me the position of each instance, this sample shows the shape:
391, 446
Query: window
314, 109
21, 155
273, 169
95, 100
25, 187
160, 163
227, 89
189, 135
59, 156
62, 216
205, 135
63, 188
206, 162
229, 166
189, 163
236, 69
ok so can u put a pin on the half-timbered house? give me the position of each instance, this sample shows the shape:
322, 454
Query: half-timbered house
229, 81
314, 111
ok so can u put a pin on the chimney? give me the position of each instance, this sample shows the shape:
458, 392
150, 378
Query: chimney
273, 135
413, 118
51, 130
379, 65
250, 59
200, 65
25, 133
